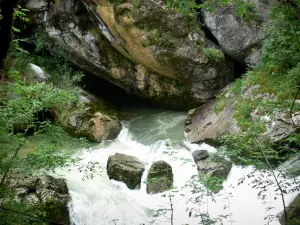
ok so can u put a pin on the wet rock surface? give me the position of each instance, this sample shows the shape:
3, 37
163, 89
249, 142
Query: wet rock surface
125, 168
160, 177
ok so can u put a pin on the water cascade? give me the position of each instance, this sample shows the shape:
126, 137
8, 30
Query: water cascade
151, 135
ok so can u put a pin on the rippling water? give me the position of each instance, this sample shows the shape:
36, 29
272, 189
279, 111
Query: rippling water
151, 135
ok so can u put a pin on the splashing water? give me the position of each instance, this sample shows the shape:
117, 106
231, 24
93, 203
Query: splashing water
151, 136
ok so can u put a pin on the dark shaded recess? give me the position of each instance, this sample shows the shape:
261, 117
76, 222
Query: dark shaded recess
40, 117
111, 92
6, 8
239, 69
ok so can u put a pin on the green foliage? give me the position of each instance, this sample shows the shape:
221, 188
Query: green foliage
213, 184
276, 80
20, 15
242, 9
214, 54
156, 37
184, 7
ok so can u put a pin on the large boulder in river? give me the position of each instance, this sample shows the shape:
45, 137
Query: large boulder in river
214, 165
90, 117
213, 170
240, 38
160, 177
141, 46
125, 168
45, 196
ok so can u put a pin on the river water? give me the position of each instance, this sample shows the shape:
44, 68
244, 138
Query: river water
154, 134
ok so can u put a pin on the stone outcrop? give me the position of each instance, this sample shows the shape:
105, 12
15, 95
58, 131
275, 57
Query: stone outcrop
48, 195
125, 168
216, 118
160, 177
204, 123
90, 117
145, 49
239, 38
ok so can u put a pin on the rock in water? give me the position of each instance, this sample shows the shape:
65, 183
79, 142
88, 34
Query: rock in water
90, 118
125, 168
213, 170
160, 177
200, 155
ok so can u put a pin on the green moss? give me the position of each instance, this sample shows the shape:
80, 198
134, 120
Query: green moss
158, 38
213, 54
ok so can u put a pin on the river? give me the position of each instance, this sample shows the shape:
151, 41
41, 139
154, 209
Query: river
152, 134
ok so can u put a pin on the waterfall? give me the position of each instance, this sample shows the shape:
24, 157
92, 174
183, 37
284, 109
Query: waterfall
152, 135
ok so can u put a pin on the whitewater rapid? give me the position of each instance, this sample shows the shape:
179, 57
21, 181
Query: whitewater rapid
159, 136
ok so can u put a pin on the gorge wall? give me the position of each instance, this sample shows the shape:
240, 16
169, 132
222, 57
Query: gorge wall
149, 49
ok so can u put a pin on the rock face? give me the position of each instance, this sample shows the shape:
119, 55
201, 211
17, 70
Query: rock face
160, 177
90, 118
125, 168
293, 213
238, 37
144, 48
208, 122
204, 123
48, 193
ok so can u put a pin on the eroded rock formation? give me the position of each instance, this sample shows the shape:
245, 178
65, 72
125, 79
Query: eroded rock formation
146, 49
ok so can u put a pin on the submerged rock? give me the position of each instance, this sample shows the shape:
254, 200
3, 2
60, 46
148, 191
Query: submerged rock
46, 195
160, 177
125, 168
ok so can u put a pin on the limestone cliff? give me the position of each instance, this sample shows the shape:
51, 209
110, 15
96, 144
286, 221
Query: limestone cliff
141, 46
